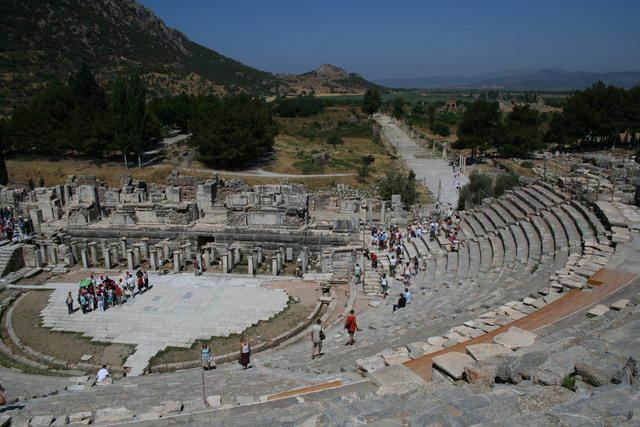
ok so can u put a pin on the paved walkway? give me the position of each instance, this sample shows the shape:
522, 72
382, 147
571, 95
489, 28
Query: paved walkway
176, 311
430, 171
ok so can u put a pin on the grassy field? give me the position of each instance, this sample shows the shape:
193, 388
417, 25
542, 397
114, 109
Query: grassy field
412, 96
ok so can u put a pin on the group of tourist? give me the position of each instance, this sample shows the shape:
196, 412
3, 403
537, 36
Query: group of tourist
14, 228
209, 362
102, 293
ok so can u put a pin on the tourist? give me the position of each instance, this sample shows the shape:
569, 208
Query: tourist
82, 300
146, 280
3, 400
110, 297
351, 326
357, 272
416, 265
402, 302
130, 283
100, 299
117, 290
140, 280
384, 284
408, 296
407, 272
317, 336
69, 302
392, 266
102, 374
245, 353
207, 357
374, 261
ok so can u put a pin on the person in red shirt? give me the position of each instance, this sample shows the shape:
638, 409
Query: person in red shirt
351, 326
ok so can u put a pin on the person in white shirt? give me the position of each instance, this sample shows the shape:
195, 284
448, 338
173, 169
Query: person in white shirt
102, 374
317, 335
407, 295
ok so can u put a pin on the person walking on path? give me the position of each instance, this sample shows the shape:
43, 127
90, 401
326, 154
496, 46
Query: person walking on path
69, 302
245, 353
317, 336
357, 272
351, 325
207, 357
384, 284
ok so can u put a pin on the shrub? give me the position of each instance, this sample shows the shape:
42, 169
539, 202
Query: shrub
527, 164
505, 182
440, 128
569, 383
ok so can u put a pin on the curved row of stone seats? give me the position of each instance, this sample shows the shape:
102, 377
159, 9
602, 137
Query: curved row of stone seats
515, 260
531, 373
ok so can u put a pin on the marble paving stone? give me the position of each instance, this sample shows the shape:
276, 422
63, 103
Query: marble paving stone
176, 311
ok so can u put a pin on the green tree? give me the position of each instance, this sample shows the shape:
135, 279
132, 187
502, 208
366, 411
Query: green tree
234, 131
371, 101
440, 128
397, 108
130, 117
334, 140
396, 182
479, 127
479, 187
505, 182
4, 175
365, 167
520, 133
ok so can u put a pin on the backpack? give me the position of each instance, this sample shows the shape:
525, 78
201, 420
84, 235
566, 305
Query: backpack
322, 335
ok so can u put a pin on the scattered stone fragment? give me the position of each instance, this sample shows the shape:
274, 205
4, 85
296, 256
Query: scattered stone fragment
598, 310
106, 415
515, 338
245, 400
171, 407
452, 363
620, 304
486, 350
370, 364
436, 341
80, 418
41, 421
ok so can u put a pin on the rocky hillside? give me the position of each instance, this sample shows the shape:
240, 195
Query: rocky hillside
327, 79
43, 41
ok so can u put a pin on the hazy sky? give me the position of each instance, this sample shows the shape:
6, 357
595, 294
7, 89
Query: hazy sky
390, 38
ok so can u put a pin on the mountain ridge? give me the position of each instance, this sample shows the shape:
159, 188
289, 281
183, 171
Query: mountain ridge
534, 79
46, 41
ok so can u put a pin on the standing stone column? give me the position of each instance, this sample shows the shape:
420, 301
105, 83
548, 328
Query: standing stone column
259, 255
136, 255
123, 245
444, 150
159, 252
165, 249
115, 256
84, 254
305, 258
37, 255
74, 251
94, 253
237, 256
280, 261
183, 256
206, 260
274, 265
145, 247
107, 259
104, 248
176, 261
225, 263
382, 207
130, 259
187, 251
213, 254
153, 261
250, 265
53, 254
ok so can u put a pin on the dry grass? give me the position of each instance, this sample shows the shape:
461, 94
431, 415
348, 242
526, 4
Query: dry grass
54, 173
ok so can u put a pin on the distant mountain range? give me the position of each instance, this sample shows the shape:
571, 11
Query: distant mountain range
543, 79
42, 41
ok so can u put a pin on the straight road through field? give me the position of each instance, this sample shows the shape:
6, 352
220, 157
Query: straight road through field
429, 169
